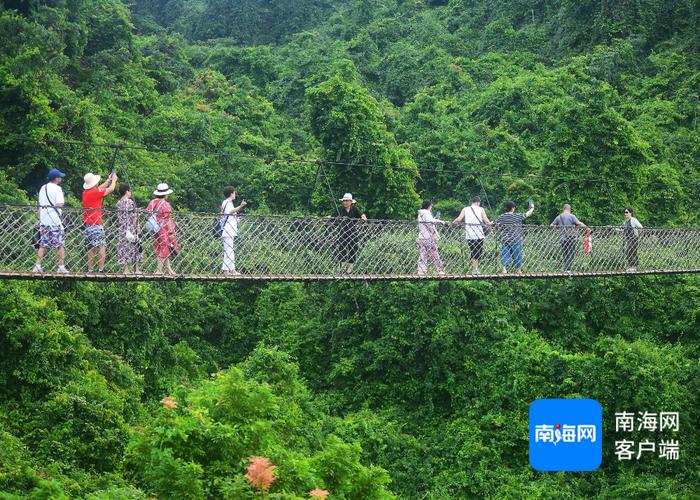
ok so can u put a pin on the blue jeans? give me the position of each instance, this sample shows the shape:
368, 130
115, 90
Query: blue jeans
512, 252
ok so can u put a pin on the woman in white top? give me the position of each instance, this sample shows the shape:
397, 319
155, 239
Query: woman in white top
229, 231
427, 239
631, 229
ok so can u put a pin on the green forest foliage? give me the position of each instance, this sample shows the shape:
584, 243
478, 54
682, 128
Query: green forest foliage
368, 391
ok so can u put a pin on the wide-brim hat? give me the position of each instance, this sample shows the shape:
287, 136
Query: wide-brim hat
90, 180
348, 196
162, 189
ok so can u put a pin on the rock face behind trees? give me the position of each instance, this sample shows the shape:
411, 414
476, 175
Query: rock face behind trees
392, 389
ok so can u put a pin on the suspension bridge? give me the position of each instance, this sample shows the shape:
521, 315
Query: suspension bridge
282, 248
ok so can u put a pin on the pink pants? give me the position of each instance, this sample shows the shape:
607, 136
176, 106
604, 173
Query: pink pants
428, 249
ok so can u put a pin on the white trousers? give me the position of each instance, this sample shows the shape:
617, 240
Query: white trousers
229, 263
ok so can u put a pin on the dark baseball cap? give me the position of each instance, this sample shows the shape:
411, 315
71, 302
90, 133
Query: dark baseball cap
54, 172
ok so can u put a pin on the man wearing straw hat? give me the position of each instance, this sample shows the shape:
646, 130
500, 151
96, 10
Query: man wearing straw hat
94, 232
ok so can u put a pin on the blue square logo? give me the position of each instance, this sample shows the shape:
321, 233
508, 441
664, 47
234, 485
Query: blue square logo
566, 434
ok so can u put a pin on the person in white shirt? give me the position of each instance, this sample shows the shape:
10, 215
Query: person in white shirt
427, 240
632, 228
475, 220
229, 223
51, 230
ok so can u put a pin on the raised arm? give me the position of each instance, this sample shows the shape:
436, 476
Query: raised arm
110, 184
237, 209
529, 212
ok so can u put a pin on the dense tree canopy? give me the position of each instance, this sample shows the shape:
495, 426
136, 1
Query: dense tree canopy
409, 390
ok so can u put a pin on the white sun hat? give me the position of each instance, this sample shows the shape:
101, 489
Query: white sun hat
348, 196
162, 189
90, 180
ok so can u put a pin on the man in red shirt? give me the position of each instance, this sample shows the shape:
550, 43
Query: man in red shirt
94, 232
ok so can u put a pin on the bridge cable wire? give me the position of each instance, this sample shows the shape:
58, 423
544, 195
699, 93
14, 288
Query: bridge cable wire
492, 175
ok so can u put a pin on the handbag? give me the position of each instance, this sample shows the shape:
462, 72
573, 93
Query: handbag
220, 224
152, 225
217, 229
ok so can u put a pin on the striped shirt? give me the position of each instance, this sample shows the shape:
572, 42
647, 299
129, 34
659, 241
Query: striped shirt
510, 227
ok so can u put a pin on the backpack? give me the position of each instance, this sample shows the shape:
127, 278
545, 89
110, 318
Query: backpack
217, 229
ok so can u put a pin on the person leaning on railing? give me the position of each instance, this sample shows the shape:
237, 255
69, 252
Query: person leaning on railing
52, 233
427, 239
631, 228
475, 221
348, 244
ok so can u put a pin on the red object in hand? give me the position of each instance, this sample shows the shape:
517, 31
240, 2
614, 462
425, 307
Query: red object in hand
587, 243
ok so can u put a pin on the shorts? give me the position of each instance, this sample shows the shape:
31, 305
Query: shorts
51, 237
476, 247
94, 235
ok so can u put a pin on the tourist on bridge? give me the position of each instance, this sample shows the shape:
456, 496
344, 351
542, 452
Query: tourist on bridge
229, 229
348, 244
93, 230
165, 237
427, 240
567, 223
129, 251
632, 228
51, 230
510, 231
475, 221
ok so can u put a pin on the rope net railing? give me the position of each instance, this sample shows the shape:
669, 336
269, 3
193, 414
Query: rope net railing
301, 248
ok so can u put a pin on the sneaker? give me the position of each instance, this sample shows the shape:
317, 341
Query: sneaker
101, 271
503, 271
519, 271
37, 268
475, 272
631, 269
62, 269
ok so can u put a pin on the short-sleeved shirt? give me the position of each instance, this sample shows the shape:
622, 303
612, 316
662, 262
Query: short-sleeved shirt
353, 213
510, 227
348, 228
565, 219
230, 227
50, 194
92, 202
